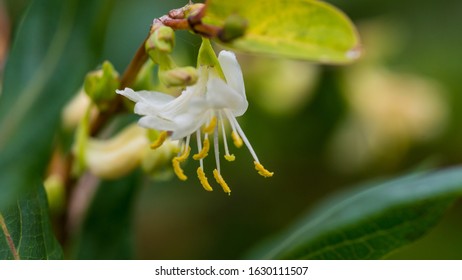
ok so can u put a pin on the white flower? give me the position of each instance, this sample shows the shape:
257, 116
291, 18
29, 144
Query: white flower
115, 157
206, 105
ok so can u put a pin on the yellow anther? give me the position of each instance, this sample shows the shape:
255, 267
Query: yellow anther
176, 164
230, 157
204, 152
262, 171
211, 127
221, 181
236, 139
177, 169
184, 156
160, 140
203, 179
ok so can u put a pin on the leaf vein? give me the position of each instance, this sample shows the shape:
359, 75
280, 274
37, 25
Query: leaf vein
8, 238
362, 239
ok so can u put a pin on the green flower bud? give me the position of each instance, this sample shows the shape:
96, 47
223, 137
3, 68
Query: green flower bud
159, 45
182, 76
55, 190
163, 40
100, 85
233, 28
75, 110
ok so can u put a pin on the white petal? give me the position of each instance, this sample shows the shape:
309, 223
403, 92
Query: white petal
145, 109
189, 123
232, 71
152, 98
156, 122
181, 125
222, 96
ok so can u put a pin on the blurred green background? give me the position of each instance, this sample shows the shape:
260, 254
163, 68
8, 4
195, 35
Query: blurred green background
319, 128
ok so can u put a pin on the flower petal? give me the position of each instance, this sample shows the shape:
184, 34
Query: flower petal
232, 71
153, 98
182, 124
188, 123
145, 109
158, 123
222, 96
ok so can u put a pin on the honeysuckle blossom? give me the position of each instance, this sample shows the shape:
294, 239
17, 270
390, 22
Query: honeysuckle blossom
201, 109
115, 157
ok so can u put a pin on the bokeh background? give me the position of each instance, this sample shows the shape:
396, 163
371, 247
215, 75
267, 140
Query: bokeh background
319, 128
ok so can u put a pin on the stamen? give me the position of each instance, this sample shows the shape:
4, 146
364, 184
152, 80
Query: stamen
236, 139
204, 151
184, 156
258, 166
233, 121
178, 171
210, 128
221, 181
216, 148
160, 140
176, 161
234, 135
199, 147
198, 140
203, 179
262, 171
228, 156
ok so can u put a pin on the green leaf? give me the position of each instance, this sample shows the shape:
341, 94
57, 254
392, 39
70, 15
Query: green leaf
54, 47
301, 29
26, 232
370, 222
107, 232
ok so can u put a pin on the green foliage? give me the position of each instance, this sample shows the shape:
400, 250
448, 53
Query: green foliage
27, 225
45, 68
370, 222
302, 29
60, 41
53, 49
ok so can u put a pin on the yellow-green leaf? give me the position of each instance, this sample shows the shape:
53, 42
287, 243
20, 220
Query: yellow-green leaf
301, 29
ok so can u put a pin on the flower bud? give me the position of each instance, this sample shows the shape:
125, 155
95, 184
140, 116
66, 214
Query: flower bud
159, 45
182, 76
75, 110
233, 28
100, 85
55, 190
116, 157
162, 40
